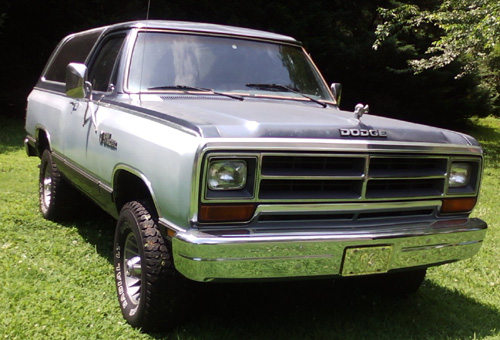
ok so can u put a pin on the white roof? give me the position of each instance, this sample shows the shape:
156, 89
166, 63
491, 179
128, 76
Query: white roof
203, 28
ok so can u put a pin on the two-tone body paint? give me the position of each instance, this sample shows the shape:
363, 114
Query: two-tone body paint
163, 138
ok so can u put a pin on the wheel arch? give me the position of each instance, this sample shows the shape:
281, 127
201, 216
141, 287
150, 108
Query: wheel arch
130, 184
42, 141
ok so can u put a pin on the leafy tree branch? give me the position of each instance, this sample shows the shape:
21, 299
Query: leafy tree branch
470, 31
464, 31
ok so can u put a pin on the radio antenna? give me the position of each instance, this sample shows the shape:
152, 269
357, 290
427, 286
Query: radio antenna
147, 13
144, 50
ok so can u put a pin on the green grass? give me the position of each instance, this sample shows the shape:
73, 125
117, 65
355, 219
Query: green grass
56, 279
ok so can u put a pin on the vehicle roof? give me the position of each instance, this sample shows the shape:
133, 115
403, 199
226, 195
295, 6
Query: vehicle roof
195, 27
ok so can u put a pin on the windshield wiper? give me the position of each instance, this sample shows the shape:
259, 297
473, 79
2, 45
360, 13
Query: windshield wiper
194, 88
278, 87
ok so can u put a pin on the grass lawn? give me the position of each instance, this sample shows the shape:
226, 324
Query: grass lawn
56, 279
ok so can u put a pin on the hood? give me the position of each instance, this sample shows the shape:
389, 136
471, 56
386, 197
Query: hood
220, 117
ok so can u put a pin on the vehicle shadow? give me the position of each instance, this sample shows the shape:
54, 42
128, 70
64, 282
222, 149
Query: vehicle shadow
314, 309
94, 225
329, 309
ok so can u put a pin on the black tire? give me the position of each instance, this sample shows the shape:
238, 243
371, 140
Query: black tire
52, 188
146, 282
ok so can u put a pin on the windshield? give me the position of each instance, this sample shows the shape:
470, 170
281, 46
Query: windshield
162, 61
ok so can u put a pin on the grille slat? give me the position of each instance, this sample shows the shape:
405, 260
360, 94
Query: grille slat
313, 166
405, 188
347, 216
407, 167
310, 189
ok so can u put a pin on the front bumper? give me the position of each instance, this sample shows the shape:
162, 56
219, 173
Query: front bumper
206, 257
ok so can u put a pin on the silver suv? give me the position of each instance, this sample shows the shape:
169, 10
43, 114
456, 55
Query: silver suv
223, 155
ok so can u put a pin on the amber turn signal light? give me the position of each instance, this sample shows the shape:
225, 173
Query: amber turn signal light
226, 213
458, 205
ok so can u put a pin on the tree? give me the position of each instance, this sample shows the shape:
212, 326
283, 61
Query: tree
464, 31
3, 16
339, 35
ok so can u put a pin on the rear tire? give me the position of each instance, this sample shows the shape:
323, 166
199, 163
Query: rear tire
146, 282
53, 189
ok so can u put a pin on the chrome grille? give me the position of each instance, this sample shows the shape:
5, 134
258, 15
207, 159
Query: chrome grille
342, 190
351, 177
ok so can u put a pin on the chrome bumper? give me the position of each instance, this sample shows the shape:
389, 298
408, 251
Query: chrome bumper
204, 257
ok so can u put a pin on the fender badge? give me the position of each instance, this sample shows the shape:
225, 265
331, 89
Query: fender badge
363, 133
106, 140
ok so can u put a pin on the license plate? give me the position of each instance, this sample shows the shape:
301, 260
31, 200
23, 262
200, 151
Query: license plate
366, 260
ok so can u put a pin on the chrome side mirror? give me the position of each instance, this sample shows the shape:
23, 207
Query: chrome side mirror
337, 91
77, 85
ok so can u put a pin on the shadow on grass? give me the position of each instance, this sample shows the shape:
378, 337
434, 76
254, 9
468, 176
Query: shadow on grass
333, 310
316, 309
489, 138
11, 134
94, 225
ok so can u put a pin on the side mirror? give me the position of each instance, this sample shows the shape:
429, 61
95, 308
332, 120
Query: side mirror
76, 81
337, 91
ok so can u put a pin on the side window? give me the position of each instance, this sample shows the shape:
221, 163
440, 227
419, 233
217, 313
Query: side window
102, 67
74, 50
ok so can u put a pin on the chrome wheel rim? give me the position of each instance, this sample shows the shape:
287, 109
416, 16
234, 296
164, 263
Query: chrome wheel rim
133, 271
46, 187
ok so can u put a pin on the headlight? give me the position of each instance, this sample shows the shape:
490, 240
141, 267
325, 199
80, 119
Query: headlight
227, 175
459, 175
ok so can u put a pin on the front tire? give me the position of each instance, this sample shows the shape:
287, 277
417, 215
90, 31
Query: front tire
146, 281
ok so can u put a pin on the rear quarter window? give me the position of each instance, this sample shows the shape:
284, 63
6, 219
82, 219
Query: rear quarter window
74, 49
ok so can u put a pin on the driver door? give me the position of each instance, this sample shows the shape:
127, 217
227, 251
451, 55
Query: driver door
84, 126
